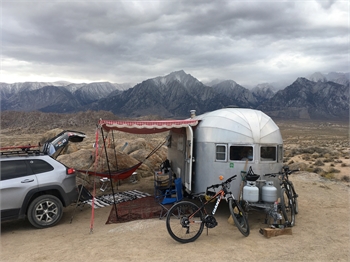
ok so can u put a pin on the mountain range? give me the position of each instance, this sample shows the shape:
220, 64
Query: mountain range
319, 96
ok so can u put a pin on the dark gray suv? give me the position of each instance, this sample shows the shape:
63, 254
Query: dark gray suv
35, 185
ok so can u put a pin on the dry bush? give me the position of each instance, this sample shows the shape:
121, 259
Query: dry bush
319, 162
328, 160
318, 170
345, 178
333, 170
315, 155
343, 165
305, 157
327, 175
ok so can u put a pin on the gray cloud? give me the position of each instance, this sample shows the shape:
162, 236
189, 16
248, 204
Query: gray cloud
130, 41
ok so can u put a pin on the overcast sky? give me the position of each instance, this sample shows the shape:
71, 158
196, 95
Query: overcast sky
249, 42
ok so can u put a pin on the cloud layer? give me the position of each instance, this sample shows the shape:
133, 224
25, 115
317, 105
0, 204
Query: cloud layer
250, 42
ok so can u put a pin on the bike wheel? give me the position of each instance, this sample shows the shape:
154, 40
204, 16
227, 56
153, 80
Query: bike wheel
287, 207
182, 228
294, 198
239, 217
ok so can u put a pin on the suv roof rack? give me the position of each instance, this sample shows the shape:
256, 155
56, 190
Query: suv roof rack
20, 150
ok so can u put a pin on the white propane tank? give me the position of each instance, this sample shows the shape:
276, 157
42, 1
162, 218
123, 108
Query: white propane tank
251, 192
269, 192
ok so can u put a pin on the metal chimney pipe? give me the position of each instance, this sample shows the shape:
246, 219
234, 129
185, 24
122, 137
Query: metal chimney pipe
193, 113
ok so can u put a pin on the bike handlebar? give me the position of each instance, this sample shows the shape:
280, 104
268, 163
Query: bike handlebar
286, 171
229, 180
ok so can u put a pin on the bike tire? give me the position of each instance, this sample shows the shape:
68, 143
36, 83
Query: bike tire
239, 217
287, 207
178, 224
294, 198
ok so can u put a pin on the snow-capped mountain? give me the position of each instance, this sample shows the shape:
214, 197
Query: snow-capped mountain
175, 94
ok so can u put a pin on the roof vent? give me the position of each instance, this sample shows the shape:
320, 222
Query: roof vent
193, 113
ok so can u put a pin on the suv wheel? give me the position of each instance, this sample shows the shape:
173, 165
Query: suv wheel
45, 211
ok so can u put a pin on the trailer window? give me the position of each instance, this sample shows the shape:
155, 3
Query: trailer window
241, 153
221, 152
268, 153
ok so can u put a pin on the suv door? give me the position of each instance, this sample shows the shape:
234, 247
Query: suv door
16, 181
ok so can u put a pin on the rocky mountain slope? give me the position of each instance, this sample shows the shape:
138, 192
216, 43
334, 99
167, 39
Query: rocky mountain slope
309, 100
174, 95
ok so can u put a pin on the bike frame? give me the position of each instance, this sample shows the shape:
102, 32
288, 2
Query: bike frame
219, 195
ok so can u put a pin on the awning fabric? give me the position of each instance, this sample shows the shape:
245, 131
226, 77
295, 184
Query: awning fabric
145, 127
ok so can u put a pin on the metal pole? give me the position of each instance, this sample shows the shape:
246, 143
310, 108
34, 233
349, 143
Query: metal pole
110, 174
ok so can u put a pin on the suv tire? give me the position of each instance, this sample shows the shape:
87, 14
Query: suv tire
45, 211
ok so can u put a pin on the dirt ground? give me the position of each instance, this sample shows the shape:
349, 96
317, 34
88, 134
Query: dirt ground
322, 233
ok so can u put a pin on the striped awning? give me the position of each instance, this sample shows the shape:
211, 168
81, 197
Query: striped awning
145, 127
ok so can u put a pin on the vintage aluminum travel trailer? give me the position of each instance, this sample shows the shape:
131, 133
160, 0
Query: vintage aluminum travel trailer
225, 142
222, 142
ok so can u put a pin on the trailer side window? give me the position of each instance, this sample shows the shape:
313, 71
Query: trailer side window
221, 152
268, 153
241, 153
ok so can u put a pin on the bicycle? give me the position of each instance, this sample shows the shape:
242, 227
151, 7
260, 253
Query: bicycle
289, 202
185, 221
289, 185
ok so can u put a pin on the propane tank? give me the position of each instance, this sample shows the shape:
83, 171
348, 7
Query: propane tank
251, 192
269, 192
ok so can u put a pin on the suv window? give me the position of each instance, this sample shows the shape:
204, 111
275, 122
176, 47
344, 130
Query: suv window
39, 166
13, 169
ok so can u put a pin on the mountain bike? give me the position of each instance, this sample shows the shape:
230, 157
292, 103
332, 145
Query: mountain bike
289, 185
289, 201
185, 221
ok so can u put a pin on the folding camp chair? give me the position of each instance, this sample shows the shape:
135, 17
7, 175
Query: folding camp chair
162, 182
171, 197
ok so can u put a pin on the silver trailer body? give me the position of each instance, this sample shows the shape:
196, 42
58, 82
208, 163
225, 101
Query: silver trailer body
224, 143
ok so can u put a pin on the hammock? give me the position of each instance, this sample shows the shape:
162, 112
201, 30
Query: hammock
123, 173
115, 175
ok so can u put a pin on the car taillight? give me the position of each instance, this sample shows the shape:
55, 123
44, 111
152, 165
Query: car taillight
70, 171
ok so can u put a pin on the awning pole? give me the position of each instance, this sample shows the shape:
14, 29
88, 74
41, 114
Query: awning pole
110, 174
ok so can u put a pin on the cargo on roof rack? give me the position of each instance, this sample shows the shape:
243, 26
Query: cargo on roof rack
21, 152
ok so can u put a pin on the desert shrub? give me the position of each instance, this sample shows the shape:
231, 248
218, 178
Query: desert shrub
306, 157
327, 155
332, 164
315, 155
294, 152
333, 170
318, 170
310, 170
343, 165
346, 157
319, 162
328, 160
290, 162
298, 165
327, 175
345, 178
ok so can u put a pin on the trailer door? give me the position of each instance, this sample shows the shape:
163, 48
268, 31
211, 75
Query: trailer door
189, 158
